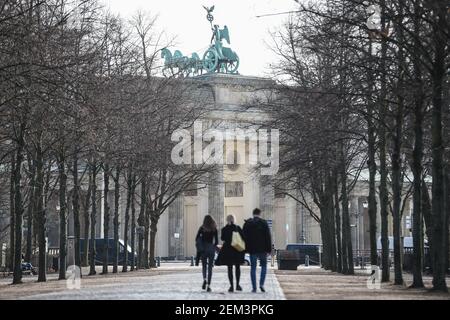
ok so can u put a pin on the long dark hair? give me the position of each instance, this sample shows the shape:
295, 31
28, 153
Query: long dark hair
209, 224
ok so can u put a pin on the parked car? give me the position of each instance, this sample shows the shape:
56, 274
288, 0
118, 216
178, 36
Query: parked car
99, 252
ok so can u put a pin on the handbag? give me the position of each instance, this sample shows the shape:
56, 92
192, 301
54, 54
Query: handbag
218, 261
237, 242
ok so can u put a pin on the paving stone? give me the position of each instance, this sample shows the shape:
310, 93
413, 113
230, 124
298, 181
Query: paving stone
182, 285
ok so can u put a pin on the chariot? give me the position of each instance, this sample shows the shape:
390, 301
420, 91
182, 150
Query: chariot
217, 58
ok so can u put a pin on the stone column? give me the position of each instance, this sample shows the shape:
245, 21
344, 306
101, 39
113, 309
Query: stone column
176, 228
216, 194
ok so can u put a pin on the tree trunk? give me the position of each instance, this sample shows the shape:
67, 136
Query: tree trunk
127, 220
396, 194
396, 190
384, 213
116, 219
92, 250
372, 165
426, 212
86, 205
76, 209
30, 210
346, 233
372, 200
332, 221
12, 218
384, 200
62, 218
417, 164
153, 229
18, 211
447, 210
396, 160
133, 224
417, 199
338, 223
105, 219
439, 254
141, 224
324, 192
324, 233
146, 237
41, 215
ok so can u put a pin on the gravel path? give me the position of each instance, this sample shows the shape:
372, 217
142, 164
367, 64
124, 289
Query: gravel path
318, 284
174, 282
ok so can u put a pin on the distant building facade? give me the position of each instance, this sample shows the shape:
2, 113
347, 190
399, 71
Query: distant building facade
234, 189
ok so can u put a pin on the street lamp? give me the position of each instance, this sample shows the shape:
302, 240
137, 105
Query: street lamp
302, 235
365, 204
357, 226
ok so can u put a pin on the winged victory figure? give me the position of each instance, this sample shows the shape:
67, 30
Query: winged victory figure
209, 10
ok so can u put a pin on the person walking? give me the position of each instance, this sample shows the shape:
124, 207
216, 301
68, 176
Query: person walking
258, 244
228, 255
207, 238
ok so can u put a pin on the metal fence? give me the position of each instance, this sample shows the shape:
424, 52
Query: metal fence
361, 258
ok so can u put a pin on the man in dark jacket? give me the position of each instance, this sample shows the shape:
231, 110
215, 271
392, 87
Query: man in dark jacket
258, 244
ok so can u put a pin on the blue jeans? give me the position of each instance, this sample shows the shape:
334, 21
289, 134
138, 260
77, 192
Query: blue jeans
208, 262
262, 257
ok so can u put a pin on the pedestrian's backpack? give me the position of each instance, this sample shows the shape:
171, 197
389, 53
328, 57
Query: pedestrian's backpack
237, 242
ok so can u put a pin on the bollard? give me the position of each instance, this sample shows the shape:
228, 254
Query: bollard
306, 260
192, 261
158, 261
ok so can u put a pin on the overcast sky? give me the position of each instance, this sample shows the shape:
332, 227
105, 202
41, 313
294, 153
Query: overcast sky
186, 19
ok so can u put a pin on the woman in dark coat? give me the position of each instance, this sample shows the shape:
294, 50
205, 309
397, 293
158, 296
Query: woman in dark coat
228, 255
208, 239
